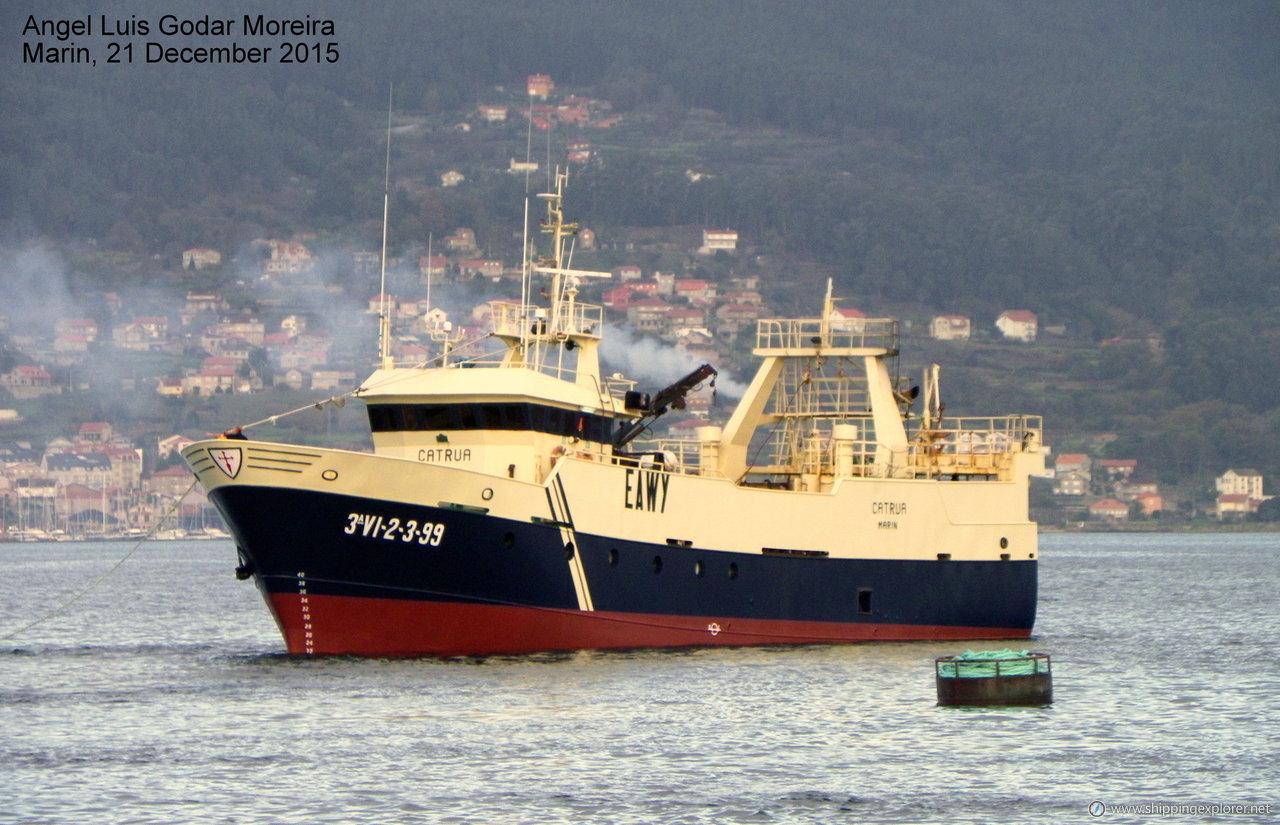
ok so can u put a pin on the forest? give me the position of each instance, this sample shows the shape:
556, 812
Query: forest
1113, 167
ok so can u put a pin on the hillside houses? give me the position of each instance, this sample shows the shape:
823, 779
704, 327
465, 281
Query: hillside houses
286, 258
1109, 488
1104, 487
28, 381
93, 482
144, 333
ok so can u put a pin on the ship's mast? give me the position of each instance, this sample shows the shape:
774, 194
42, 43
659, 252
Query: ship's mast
561, 337
384, 314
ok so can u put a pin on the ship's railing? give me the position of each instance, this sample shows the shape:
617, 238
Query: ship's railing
515, 320
981, 445
973, 447
675, 455
783, 335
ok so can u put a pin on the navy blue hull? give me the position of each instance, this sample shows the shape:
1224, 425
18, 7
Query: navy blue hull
331, 546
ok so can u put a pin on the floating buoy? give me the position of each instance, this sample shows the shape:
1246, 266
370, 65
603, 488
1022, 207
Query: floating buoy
994, 677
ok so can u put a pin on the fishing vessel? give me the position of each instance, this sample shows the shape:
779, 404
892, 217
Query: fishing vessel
509, 504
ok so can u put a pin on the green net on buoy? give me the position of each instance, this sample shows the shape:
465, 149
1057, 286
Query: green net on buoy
982, 664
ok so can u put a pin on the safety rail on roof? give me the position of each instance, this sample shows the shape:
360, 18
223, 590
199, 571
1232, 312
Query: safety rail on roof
513, 320
789, 336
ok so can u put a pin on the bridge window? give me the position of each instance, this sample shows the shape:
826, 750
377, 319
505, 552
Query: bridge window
523, 417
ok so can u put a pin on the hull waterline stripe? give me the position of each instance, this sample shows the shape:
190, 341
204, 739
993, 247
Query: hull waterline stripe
459, 629
651, 621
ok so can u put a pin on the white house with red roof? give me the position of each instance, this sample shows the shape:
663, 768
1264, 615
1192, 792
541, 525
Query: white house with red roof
463, 239
617, 298
1068, 462
1118, 468
70, 345
252, 333
540, 85
1017, 325
87, 328
200, 257
949, 328
96, 432
695, 290
1109, 509
287, 258
171, 481
170, 388
740, 313
648, 314
743, 296
1151, 503
1240, 493
847, 319
1235, 506
29, 381
432, 267
209, 381
718, 240
683, 319
1070, 483
484, 267
383, 301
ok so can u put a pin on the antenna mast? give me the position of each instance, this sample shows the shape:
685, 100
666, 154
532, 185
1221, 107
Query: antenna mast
384, 317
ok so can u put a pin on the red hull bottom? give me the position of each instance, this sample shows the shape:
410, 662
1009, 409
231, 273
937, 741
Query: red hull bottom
328, 625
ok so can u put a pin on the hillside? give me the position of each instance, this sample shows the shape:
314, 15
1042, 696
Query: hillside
1114, 168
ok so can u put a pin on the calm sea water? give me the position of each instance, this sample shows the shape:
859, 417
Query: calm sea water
163, 697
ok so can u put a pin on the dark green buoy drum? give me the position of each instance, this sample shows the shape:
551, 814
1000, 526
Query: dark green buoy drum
994, 677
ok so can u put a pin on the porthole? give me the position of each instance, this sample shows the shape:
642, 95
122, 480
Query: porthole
613, 557
657, 564
698, 568
329, 475
733, 570
487, 494
568, 549
508, 540
1004, 543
